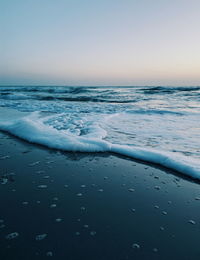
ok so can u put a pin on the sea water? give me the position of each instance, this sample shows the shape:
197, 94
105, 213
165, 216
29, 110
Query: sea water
154, 124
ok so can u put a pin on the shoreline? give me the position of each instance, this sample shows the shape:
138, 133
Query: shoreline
93, 206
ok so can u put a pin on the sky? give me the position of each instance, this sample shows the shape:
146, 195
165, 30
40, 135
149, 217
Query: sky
100, 42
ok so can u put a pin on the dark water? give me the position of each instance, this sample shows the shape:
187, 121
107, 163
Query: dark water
122, 203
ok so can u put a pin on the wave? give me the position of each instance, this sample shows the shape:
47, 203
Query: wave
32, 128
88, 98
168, 90
155, 111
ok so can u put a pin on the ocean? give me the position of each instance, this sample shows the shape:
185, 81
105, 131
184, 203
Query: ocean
155, 124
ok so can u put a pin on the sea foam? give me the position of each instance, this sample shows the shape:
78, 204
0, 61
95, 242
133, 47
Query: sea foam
32, 127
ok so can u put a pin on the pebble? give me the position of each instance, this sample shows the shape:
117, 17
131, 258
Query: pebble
131, 190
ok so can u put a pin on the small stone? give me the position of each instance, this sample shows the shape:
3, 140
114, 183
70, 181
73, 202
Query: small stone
192, 222
131, 190
157, 187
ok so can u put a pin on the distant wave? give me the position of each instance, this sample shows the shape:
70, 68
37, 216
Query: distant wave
169, 90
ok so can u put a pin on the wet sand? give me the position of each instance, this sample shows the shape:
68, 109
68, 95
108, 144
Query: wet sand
93, 206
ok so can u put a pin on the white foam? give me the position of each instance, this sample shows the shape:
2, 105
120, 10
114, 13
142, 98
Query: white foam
32, 128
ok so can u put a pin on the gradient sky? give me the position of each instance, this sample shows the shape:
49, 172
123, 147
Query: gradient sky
100, 42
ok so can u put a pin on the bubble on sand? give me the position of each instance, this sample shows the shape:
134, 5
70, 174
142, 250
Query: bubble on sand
5, 157
40, 172
86, 226
34, 163
135, 246
79, 194
3, 180
42, 186
58, 220
12, 235
53, 206
40, 237
49, 253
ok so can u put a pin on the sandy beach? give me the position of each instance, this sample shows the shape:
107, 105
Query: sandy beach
93, 206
